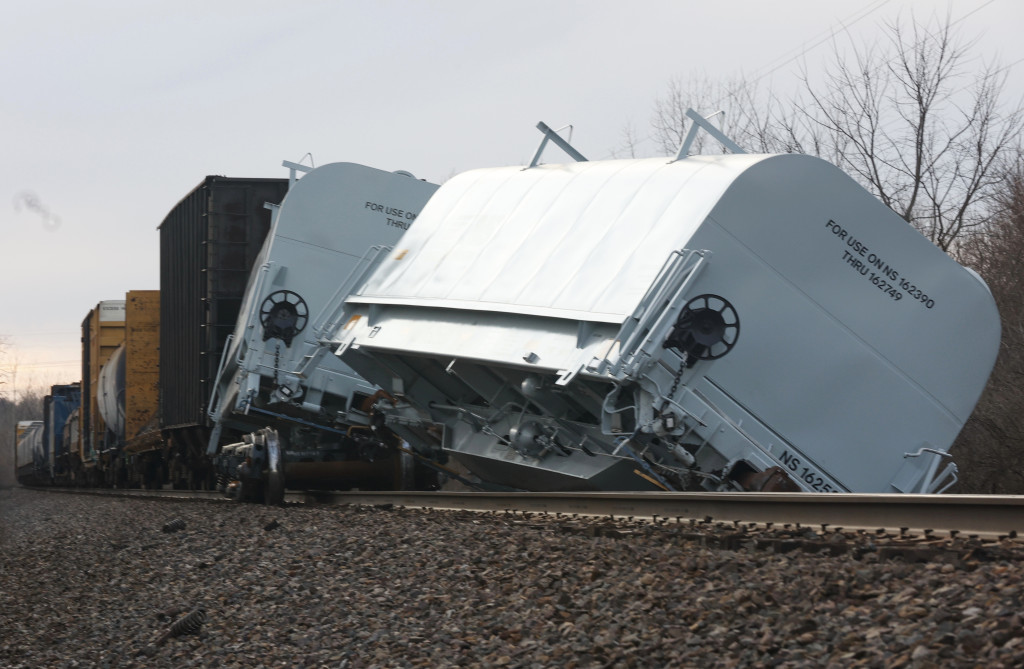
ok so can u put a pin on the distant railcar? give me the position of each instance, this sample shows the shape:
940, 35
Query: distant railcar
127, 393
58, 407
30, 458
209, 243
93, 458
150, 360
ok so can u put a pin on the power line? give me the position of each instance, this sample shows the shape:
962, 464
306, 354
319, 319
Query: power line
846, 27
830, 34
973, 11
15, 367
58, 363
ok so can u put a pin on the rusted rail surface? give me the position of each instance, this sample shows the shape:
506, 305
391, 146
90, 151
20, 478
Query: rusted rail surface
982, 515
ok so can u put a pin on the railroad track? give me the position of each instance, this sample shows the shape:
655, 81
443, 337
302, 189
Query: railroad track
984, 516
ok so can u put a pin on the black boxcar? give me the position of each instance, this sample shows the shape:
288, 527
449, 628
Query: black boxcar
208, 244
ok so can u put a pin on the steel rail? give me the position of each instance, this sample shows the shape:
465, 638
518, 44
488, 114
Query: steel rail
982, 515
137, 492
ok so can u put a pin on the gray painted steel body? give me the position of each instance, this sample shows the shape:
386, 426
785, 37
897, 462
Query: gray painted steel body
316, 249
536, 302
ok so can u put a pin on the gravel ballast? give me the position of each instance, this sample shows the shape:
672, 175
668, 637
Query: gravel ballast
101, 582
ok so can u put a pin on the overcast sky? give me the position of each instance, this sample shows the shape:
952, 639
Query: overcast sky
112, 111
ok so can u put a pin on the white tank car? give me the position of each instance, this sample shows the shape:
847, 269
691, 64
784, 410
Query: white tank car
110, 398
729, 322
30, 457
274, 372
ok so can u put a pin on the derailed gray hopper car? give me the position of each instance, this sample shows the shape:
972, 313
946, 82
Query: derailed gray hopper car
298, 406
731, 322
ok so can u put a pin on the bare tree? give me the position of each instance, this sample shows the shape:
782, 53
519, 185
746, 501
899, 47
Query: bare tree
921, 122
8, 371
5, 373
630, 146
739, 108
27, 406
914, 124
909, 118
990, 445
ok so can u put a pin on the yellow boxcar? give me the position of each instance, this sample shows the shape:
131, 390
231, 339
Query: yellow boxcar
102, 333
142, 371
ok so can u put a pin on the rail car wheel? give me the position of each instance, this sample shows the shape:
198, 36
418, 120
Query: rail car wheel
249, 491
273, 490
405, 471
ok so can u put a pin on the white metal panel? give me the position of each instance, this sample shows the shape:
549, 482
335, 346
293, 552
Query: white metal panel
583, 238
112, 311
